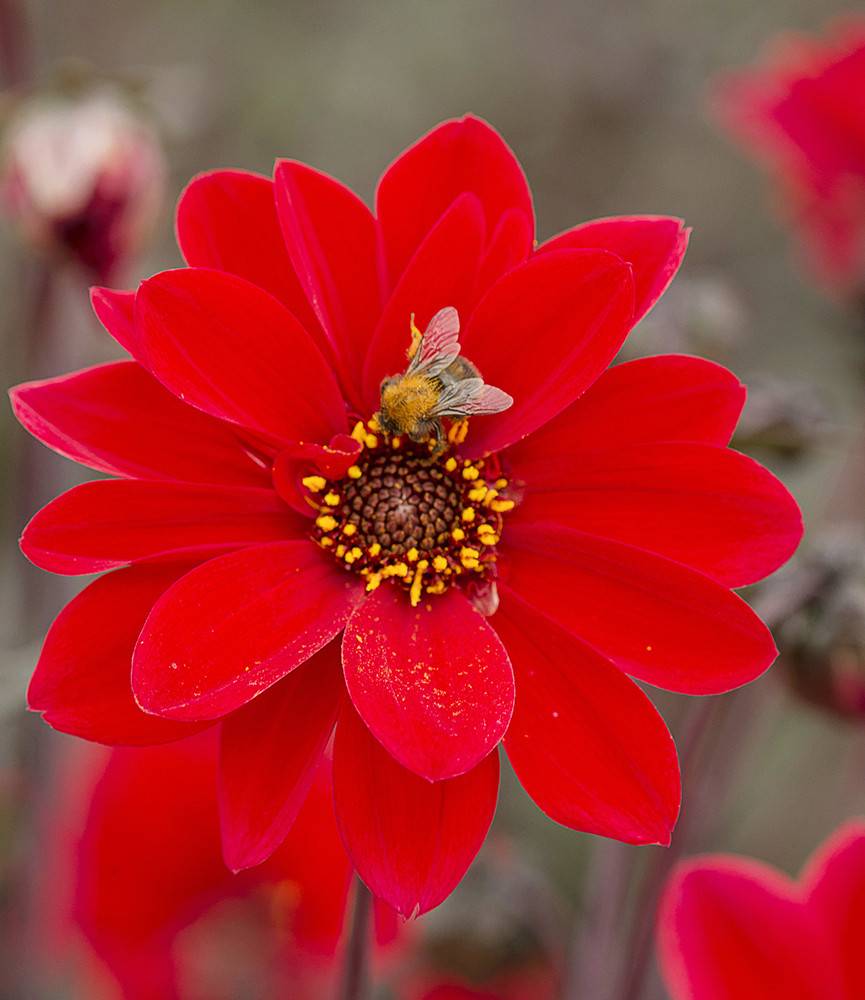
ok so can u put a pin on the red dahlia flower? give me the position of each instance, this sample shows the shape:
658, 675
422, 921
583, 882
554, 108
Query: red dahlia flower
281, 566
136, 868
801, 114
730, 928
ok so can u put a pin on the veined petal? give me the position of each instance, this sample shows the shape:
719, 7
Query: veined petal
668, 398
464, 155
733, 929
410, 840
333, 243
236, 625
442, 272
587, 745
112, 522
710, 508
654, 246
82, 684
227, 220
544, 333
654, 618
231, 349
118, 419
269, 753
433, 683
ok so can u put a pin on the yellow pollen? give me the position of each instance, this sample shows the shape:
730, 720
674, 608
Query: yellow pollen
354, 472
396, 569
458, 534
331, 499
466, 552
349, 529
326, 543
417, 583
440, 563
370, 440
374, 549
373, 582
468, 514
396, 442
491, 495
326, 522
451, 464
412, 554
501, 483
340, 551
489, 539
470, 472
314, 483
358, 432
458, 431
486, 529
477, 494
373, 423
501, 506
436, 588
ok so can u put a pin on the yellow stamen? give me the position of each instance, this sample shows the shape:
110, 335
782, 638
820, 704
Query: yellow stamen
491, 495
314, 483
451, 464
501, 483
470, 473
354, 472
326, 522
370, 440
349, 529
358, 432
489, 539
501, 506
436, 588
477, 494
373, 582
458, 534
325, 543
417, 583
331, 499
412, 554
373, 423
457, 431
440, 563
468, 514
340, 551
374, 549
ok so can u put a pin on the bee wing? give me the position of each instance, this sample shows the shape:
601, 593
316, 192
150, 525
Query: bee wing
471, 397
439, 344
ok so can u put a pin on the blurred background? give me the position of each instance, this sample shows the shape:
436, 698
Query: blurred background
606, 105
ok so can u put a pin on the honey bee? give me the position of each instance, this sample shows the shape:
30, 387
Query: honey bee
437, 383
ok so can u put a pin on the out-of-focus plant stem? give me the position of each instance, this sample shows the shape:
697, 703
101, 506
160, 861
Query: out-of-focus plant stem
354, 984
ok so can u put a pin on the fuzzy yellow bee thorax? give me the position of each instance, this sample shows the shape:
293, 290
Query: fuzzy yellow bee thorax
410, 399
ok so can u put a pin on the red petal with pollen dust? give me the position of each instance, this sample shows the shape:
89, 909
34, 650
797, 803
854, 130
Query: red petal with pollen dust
586, 743
82, 683
115, 311
113, 522
710, 508
432, 683
332, 241
460, 156
834, 886
228, 630
441, 273
668, 398
544, 333
654, 246
226, 347
227, 220
733, 929
410, 840
269, 752
118, 419
656, 619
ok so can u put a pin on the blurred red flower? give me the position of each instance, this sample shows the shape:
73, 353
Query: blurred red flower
800, 112
603, 510
136, 868
730, 928
82, 175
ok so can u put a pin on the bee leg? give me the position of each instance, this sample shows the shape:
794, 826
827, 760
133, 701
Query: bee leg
416, 337
458, 430
438, 437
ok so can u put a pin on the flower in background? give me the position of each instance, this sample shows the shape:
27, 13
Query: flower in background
135, 868
730, 928
282, 566
800, 112
82, 175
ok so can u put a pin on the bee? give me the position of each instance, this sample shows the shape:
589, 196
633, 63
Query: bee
437, 383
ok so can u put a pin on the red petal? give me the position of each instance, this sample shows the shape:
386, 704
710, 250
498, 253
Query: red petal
441, 273
834, 885
82, 683
115, 311
410, 840
118, 419
417, 188
228, 630
656, 619
113, 522
668, 398
544, 333
296, 461
333, 243
227, 220
509, 245
433, 683
269, 754
232, 350
653, 245
586, 743
733, 929
710, 508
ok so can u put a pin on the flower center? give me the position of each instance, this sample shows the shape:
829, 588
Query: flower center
403, 512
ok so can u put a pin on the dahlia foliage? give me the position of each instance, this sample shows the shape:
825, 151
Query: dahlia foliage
800, 113
281, 562
734, 929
